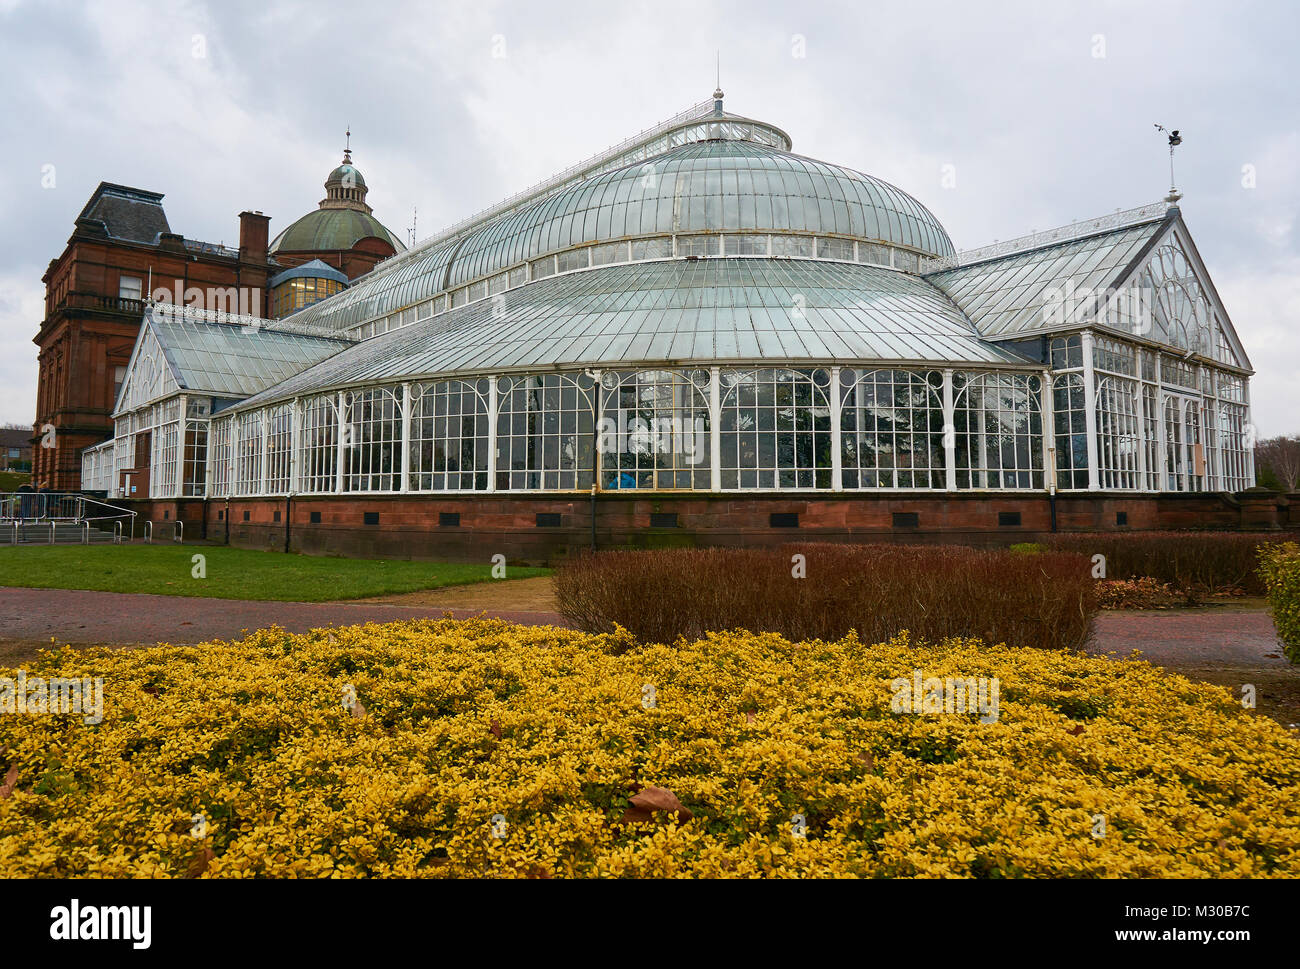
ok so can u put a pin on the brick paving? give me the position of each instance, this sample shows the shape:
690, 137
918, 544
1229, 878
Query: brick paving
1229, 638
1244, 639
70, 616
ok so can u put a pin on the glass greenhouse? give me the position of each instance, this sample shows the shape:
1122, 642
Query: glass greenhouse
700, 309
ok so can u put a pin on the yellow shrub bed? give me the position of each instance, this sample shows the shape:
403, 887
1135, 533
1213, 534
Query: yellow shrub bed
482, 748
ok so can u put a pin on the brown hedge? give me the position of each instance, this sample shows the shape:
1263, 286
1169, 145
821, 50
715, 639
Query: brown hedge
1194, 563
1046, 600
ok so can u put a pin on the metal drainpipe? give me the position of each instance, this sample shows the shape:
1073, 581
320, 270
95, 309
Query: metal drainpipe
203, 532
227, 520
595, 460
288, 520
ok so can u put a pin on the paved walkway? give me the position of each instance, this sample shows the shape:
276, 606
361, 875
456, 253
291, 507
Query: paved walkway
34, 615
1244, 639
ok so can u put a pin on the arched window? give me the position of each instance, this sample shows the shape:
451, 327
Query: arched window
776, 429
1151, 429
1118, 434
318, 445
372, 442
221, 430
1232, 441
449, 435
248, 453
546, 427
998, 425
279, 442
1070, 415
891, 429
654, 430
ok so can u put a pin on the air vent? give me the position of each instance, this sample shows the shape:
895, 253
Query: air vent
371, 517
907, 519
1121, 518
1008, 519
449, 519
663, 519
276, 516
783, 519
548, 519
245, 516
315, 518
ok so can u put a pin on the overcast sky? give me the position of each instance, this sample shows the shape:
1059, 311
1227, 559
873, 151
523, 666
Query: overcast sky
1045, 110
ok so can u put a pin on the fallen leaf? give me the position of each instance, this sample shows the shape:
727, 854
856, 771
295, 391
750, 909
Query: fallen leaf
358, 709
10, 782
749, 716
661, 799
1076, 731
200, 863
495, 729
633, 815
866, 760
1221, 844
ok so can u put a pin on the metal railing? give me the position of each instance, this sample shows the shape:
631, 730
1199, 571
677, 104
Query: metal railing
178, 536
28, 508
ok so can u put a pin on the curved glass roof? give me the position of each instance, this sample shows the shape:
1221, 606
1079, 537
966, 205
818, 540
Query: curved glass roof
709, 186
674, 313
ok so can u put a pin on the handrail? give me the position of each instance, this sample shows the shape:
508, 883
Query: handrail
85, 533
148, 532
53, 527
179, 537
15, 524
117, 532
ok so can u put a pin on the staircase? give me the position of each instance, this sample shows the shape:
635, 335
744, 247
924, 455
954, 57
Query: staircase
64, 533
60, 519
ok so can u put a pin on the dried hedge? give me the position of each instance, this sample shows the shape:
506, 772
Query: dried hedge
933, 591
1195, 563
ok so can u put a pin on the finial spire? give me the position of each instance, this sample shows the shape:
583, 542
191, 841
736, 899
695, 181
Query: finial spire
717, 92
347, 150
1175, 139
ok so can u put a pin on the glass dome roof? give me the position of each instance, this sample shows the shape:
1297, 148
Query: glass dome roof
718, 185
710, 186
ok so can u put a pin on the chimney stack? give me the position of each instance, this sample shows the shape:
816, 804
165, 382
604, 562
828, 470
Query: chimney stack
254, 235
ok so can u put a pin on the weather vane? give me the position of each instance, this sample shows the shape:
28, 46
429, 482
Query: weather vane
1175, 139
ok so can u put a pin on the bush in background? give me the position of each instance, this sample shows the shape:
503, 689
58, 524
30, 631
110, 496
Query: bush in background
1138, 594
1279, 568
1197, 564
1046, 600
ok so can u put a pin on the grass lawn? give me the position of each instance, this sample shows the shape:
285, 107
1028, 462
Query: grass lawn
11, 480
232, 573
